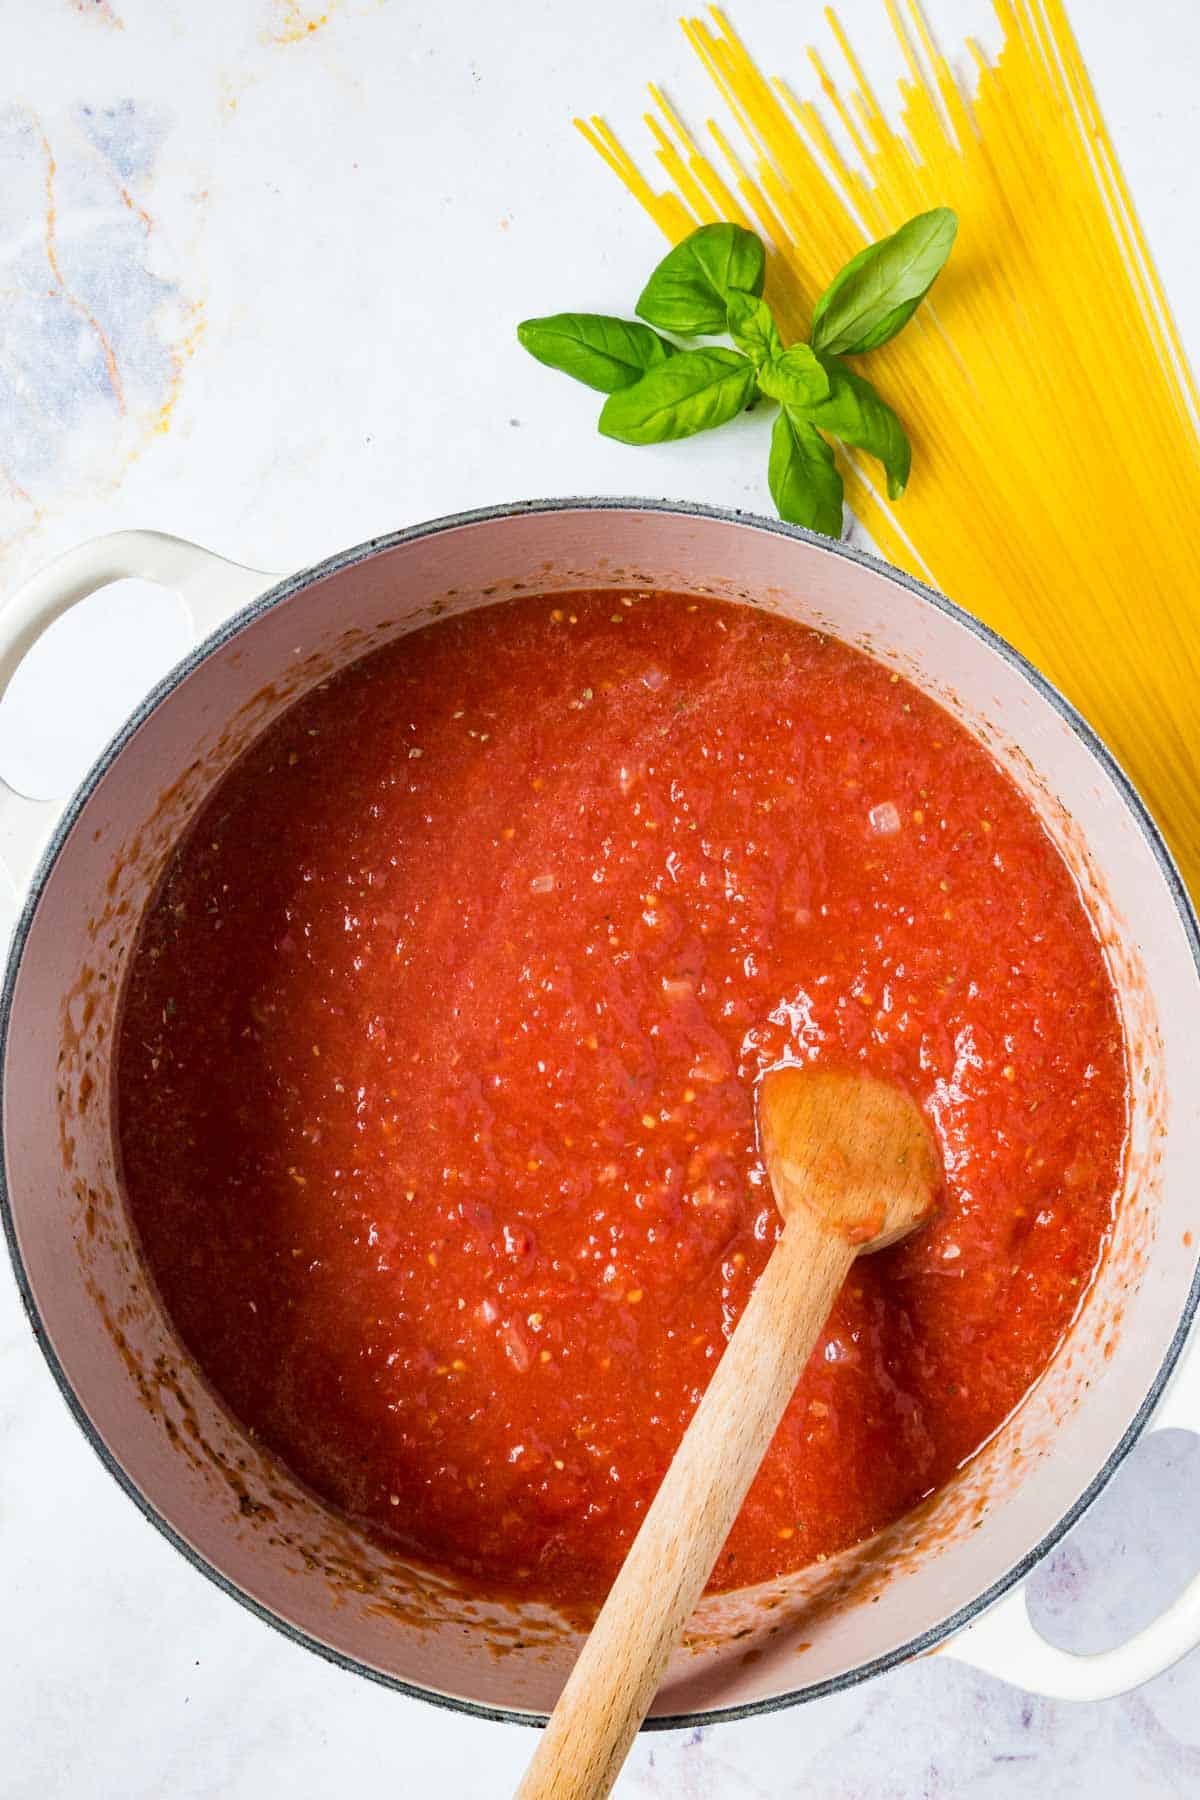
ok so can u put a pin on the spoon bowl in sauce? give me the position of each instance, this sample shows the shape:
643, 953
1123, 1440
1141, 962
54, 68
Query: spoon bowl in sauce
854, 1169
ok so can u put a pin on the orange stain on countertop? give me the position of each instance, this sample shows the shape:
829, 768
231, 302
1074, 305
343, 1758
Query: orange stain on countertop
109, 332
160, 424
292, 22
78, 306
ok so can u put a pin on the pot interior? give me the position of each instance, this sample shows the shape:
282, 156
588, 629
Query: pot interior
171, 1439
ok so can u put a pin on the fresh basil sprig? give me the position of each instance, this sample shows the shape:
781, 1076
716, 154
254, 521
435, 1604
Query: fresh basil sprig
804, 483
853, 412
690, 289
797, 377
605, 353
880, 289
691, 392
752, 327
710, 285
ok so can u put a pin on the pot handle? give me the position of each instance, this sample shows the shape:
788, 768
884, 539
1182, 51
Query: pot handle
1004, 1642
212, 589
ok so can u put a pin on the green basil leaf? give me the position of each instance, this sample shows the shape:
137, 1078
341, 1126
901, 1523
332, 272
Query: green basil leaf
689, 290
797, 377
854, 413
605, 353
752, 326
804, 482
879, 290
691, 392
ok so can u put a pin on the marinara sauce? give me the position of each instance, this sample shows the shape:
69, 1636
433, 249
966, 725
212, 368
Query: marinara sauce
437, 1066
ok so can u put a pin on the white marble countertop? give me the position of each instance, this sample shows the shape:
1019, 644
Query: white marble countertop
260, 284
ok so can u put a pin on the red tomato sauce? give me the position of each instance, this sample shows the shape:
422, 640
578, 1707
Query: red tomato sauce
437, 1064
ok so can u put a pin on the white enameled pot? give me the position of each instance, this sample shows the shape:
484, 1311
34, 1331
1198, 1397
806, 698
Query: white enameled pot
951, 1575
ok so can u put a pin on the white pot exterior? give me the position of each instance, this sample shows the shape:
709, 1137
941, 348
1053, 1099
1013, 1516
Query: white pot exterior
170, 1440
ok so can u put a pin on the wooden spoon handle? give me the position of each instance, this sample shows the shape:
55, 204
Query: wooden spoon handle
621, 1666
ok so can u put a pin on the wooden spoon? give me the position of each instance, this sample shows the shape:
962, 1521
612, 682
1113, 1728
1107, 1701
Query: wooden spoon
853, 1169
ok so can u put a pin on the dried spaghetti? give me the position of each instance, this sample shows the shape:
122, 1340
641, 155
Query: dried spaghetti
1052, 413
